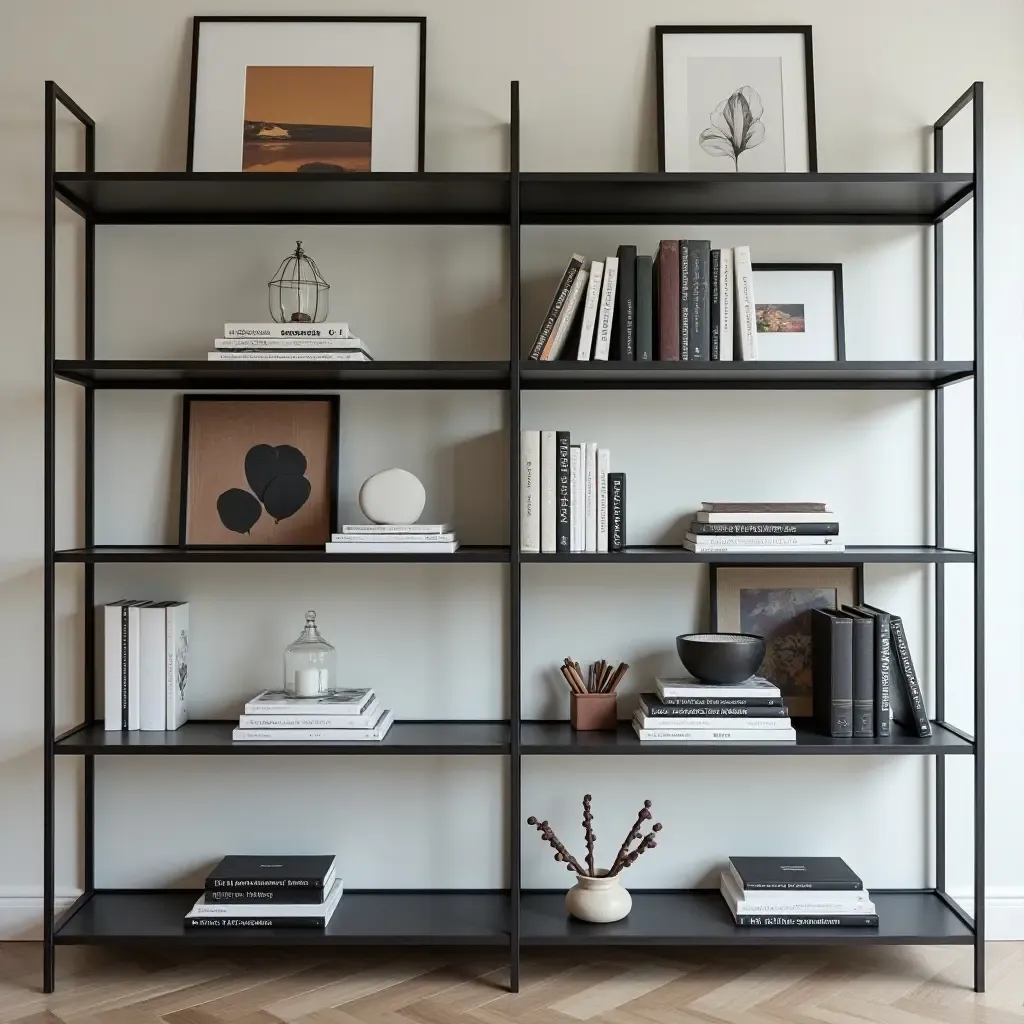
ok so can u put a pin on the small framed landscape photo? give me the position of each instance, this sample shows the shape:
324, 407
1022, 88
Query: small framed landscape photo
260, 470
798, 311
310, 94
735, 98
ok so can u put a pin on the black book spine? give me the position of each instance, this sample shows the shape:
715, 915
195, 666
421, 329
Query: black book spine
625, 299
124, 667
223, 921
684, 299
863, 677
715, 304
883, 673
834, 886
563, 514
700, 321
253, 894
616, 511
644, 309
832, 671
557, 302
265, 883
909, 676
807, 921
724, 702
674, 711
767, 529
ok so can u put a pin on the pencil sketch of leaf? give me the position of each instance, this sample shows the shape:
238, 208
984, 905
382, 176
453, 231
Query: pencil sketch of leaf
736, 126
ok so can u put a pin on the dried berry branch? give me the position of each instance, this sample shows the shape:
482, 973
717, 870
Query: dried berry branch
647, 843
633, 834
561, 853
588, 831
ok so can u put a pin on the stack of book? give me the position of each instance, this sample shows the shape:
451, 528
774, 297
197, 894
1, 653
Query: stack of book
748, 527
570, 500
294, 343
145, 665
268, 892
342, 716
863, 674
413, 539
689, 711
780, 892
689, 302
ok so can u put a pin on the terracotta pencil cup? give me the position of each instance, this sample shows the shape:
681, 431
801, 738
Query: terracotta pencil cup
590, 712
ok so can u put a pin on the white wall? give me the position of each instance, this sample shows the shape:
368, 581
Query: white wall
433, 638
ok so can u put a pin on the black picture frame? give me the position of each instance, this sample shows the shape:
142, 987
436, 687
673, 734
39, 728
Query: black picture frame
334, 403
836, 269
660, 31
199, 20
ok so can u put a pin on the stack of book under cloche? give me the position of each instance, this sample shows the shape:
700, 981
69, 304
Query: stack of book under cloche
411, 539
268, 892
341, 716
781, 892
689, 711
288, 343
757, 527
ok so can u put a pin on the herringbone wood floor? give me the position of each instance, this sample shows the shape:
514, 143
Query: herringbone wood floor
890, 985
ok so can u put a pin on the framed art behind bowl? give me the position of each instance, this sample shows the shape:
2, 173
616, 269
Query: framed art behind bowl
735, 98
798, 310
309, 94
775, 602
259, 470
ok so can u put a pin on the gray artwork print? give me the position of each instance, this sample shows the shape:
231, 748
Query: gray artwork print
736, 126
181, 658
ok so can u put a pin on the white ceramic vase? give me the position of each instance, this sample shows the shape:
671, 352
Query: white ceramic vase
600, 899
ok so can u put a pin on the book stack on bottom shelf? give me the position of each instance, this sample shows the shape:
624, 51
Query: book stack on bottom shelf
779, 892
342, 716
726, 527
689, 711
268, 892
413, 539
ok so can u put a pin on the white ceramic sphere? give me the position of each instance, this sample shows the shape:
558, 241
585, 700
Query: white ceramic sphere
393, 497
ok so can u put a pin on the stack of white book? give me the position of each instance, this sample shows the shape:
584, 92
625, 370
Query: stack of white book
688, 711
749, 527
342, 716
292, 342
411, 539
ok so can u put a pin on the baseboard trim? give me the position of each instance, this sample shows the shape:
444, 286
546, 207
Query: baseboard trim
21, 913
1004, 912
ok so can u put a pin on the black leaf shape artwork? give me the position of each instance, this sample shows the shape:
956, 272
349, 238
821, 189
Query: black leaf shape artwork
736, 126
285, 495
277, 477
264, 462
239, 511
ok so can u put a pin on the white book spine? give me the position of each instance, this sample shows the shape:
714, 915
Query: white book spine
176, 676
284, 344
575, 463
727, 541
377, 732
767, 517
308, 721
563, 325
392, 538
271, 910
375, 529
529, 491
716, 735
362, 705
134, 667
152, 662
726, 305
351, 356
114, 655
604, 462
606, 311
593, 302
289, 330
591, 483
746, 314
395, 548
548, 516
665, 723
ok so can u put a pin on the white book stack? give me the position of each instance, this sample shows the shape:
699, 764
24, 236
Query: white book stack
758, 527
296, 343
342, 716
410, 539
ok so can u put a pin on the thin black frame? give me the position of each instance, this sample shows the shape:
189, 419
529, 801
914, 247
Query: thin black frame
199, 20
333, 455
839, 315
660, 31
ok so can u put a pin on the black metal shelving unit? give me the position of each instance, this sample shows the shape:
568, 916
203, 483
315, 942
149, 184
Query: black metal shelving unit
511, 917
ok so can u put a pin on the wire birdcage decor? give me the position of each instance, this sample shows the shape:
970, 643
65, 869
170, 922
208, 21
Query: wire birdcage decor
298, 291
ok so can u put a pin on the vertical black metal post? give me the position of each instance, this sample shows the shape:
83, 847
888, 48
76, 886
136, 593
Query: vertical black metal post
515, 563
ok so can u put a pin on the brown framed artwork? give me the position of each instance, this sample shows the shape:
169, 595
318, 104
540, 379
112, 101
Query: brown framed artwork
260, 470
775, 602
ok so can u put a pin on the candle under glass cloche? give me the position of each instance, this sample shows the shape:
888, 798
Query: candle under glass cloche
310, 663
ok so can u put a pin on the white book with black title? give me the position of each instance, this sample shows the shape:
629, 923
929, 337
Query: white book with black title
285, 344
287, 330
337, 702
808, 902
687, 686
298, 720
176, 656
529, 491
606, 310
726, 305
337, 734
392, 529
604, 464
206, 908
716, 735
767, 517
590, 309
590, 480
420, 546
383, 539
548, 473
745, 311
271, 356
681, 724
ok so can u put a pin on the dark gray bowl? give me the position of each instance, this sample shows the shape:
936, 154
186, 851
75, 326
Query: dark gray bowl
721, 657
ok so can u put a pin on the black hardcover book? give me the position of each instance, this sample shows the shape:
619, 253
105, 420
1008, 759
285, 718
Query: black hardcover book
616, 511
294, 872
652, 705
863, 676
883, 664
832, 672
794, 873
624, 324
724, 702
644, 309
685, 310
767, 529
715, 304
563, 513
700, 306
574, 267
261, 894
908, 706
255, 922
806, 921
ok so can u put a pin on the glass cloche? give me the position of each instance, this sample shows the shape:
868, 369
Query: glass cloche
310, 663
298, 291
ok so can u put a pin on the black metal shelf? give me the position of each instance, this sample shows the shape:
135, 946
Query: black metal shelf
741, 198
246, 197
560, 738
214, 737
699, 917
200, 375
243, 553
853, 555
853, 375
382, 918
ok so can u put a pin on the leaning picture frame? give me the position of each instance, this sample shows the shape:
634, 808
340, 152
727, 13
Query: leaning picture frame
798, 311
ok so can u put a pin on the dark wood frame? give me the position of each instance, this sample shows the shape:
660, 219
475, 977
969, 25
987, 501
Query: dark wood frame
660, 31
837, 295
332, 456
198, 21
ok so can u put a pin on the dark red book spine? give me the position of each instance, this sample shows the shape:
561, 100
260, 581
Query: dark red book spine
668, 301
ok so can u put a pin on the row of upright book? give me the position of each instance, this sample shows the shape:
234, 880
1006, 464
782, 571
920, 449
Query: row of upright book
689, 302
341, 716
570, 500
732, 527
289, 342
